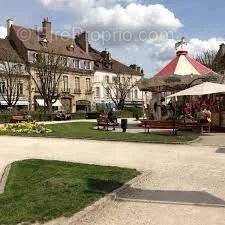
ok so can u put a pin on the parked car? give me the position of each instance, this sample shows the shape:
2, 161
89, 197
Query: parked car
63, 115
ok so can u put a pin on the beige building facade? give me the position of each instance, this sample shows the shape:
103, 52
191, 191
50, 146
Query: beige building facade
85, 73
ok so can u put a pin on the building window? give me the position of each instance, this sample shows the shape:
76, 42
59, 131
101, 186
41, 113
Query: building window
128, 81
107, 94
20, 88
97, 92
64, 61
77, 84
107, 79
116, 79
87, 65
129, 94
2, 87
76, 63
65, 83
136, 94
82, 64
88, 84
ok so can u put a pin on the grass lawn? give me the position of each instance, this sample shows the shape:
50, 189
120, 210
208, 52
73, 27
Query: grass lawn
39, 190
85, 130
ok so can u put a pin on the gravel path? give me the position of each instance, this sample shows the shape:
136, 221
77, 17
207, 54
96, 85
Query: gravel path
186, 184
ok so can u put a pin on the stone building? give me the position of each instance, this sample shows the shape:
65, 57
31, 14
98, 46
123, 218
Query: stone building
75, 85
219, 61
22, 80
106, 69
81, 85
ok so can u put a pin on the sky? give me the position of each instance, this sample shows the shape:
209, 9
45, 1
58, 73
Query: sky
141, 32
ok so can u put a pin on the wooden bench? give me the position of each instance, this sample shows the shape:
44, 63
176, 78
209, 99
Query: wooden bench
167, 125
202, 127
106, 123
170, 125
18, 119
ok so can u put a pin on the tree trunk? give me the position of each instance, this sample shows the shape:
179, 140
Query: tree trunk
50, 110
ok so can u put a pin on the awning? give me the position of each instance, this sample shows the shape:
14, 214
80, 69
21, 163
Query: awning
19, 103
201, 89
41, 102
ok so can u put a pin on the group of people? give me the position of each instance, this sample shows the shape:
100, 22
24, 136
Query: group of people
110, 116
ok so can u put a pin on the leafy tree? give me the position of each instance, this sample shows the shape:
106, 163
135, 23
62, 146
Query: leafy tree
48, 69
11, 70
119, 89
207, 58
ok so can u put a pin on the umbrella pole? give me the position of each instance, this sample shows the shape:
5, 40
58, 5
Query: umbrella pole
220, 112
174, 119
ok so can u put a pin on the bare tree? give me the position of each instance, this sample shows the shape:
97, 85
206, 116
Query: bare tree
118, 89
207, 58
48, 69
11, 69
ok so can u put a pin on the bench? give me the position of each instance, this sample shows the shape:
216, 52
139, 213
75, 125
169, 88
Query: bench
170, 125
18, 119
106, 123
167, 125
202, 127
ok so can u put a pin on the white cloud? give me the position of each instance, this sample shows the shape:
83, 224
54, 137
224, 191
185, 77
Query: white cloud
161, 53
3, 32
134, 22
79, 5
125, 17
119, 21
197, 45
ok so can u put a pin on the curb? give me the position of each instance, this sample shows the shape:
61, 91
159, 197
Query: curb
194, 141
3, 178
108, 140
98, 205
173, 203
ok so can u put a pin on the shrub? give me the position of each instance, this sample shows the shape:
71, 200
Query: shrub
25, 128
78, 115
5, 118
123, 114
92, 115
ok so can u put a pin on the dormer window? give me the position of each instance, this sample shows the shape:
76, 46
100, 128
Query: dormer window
70, 47
44, 42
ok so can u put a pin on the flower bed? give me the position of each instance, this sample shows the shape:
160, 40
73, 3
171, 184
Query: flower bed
25, 128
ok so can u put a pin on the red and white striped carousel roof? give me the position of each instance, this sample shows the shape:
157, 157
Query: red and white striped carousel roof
183, 65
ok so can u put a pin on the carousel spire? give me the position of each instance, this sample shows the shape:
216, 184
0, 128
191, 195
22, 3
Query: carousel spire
181, 47
183, 64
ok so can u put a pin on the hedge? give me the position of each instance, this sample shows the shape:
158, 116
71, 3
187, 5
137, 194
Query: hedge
6, 118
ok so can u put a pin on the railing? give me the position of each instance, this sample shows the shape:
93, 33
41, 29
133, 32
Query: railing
67, 91
89, 91
77, 91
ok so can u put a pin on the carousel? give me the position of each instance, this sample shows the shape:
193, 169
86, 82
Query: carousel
185, 91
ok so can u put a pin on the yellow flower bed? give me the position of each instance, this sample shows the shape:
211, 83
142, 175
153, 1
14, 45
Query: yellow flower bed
25, 128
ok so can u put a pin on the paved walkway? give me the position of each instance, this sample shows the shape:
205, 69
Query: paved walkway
212, 139
181, 177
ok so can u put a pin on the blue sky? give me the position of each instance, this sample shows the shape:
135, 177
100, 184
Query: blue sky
201, 20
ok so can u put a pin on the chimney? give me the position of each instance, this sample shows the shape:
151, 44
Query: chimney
47, 28
133, 66
9, 23
82, 41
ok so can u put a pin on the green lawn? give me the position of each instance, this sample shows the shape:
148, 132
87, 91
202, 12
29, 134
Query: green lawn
39, 190
85, 130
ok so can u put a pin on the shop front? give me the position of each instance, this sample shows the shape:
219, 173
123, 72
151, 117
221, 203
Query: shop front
83, 106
